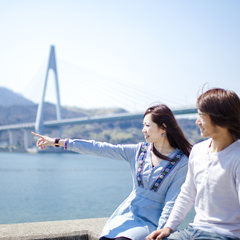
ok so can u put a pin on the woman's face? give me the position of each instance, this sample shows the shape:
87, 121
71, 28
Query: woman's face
151, 131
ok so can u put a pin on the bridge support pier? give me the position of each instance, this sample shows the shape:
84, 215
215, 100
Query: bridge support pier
13, 138
28, 138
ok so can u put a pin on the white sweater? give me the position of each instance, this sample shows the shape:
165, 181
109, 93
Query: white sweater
213, 185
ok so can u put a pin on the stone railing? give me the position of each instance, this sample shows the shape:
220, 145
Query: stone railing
85, 229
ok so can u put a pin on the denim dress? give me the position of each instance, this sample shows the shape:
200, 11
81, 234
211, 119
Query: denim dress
155, 188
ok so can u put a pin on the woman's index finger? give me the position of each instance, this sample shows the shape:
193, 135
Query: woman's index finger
37, 135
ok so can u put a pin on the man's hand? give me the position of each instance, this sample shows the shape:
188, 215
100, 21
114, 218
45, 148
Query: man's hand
159, 234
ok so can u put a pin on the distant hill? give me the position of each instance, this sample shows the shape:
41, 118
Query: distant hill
15, 109
15, 114
9, 98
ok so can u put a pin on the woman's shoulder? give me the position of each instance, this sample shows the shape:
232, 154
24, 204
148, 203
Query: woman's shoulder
138, 145
184, 158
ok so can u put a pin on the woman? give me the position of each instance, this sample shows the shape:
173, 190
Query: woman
158, 167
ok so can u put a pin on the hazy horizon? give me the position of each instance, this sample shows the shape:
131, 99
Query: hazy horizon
126, 54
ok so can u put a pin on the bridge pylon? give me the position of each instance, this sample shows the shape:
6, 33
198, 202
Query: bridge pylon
39, 118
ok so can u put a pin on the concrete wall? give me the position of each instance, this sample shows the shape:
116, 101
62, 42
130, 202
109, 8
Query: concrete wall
85, 229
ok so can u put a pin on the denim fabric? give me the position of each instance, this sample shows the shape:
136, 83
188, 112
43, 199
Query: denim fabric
190, 233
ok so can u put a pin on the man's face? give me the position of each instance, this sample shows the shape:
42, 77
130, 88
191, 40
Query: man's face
205, 124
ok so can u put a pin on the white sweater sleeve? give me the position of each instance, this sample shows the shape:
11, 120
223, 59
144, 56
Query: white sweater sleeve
238, 182
184, 201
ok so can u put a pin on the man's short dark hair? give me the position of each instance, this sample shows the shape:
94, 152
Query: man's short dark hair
223, 107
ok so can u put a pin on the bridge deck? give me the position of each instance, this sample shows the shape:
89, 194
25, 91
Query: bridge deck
84, 120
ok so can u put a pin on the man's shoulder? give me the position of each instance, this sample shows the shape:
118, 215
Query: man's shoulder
201, 145
237, 144
234, 148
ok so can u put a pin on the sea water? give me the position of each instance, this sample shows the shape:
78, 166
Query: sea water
53, 186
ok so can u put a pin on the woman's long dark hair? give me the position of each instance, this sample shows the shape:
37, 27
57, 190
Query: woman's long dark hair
164, 118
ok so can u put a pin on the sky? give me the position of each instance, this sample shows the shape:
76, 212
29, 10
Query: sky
128, 53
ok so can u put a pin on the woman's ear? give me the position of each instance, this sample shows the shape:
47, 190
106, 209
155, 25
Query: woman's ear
164, 125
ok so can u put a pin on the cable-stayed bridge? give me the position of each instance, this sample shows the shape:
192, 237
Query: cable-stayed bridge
39, 124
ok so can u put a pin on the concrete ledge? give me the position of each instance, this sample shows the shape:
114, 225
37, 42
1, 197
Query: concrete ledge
85, 229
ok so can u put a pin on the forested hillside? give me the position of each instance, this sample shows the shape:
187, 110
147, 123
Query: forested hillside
24, 111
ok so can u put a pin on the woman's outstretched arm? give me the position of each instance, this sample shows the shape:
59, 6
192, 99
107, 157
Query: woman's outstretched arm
44, 141
125, 152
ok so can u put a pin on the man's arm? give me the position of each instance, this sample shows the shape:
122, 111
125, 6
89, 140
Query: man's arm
173, 191
184, 201
238, 181
182, 206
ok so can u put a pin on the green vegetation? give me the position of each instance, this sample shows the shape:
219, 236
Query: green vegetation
115, 132
15, 109
125, 131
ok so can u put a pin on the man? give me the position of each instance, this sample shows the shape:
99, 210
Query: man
213, 179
